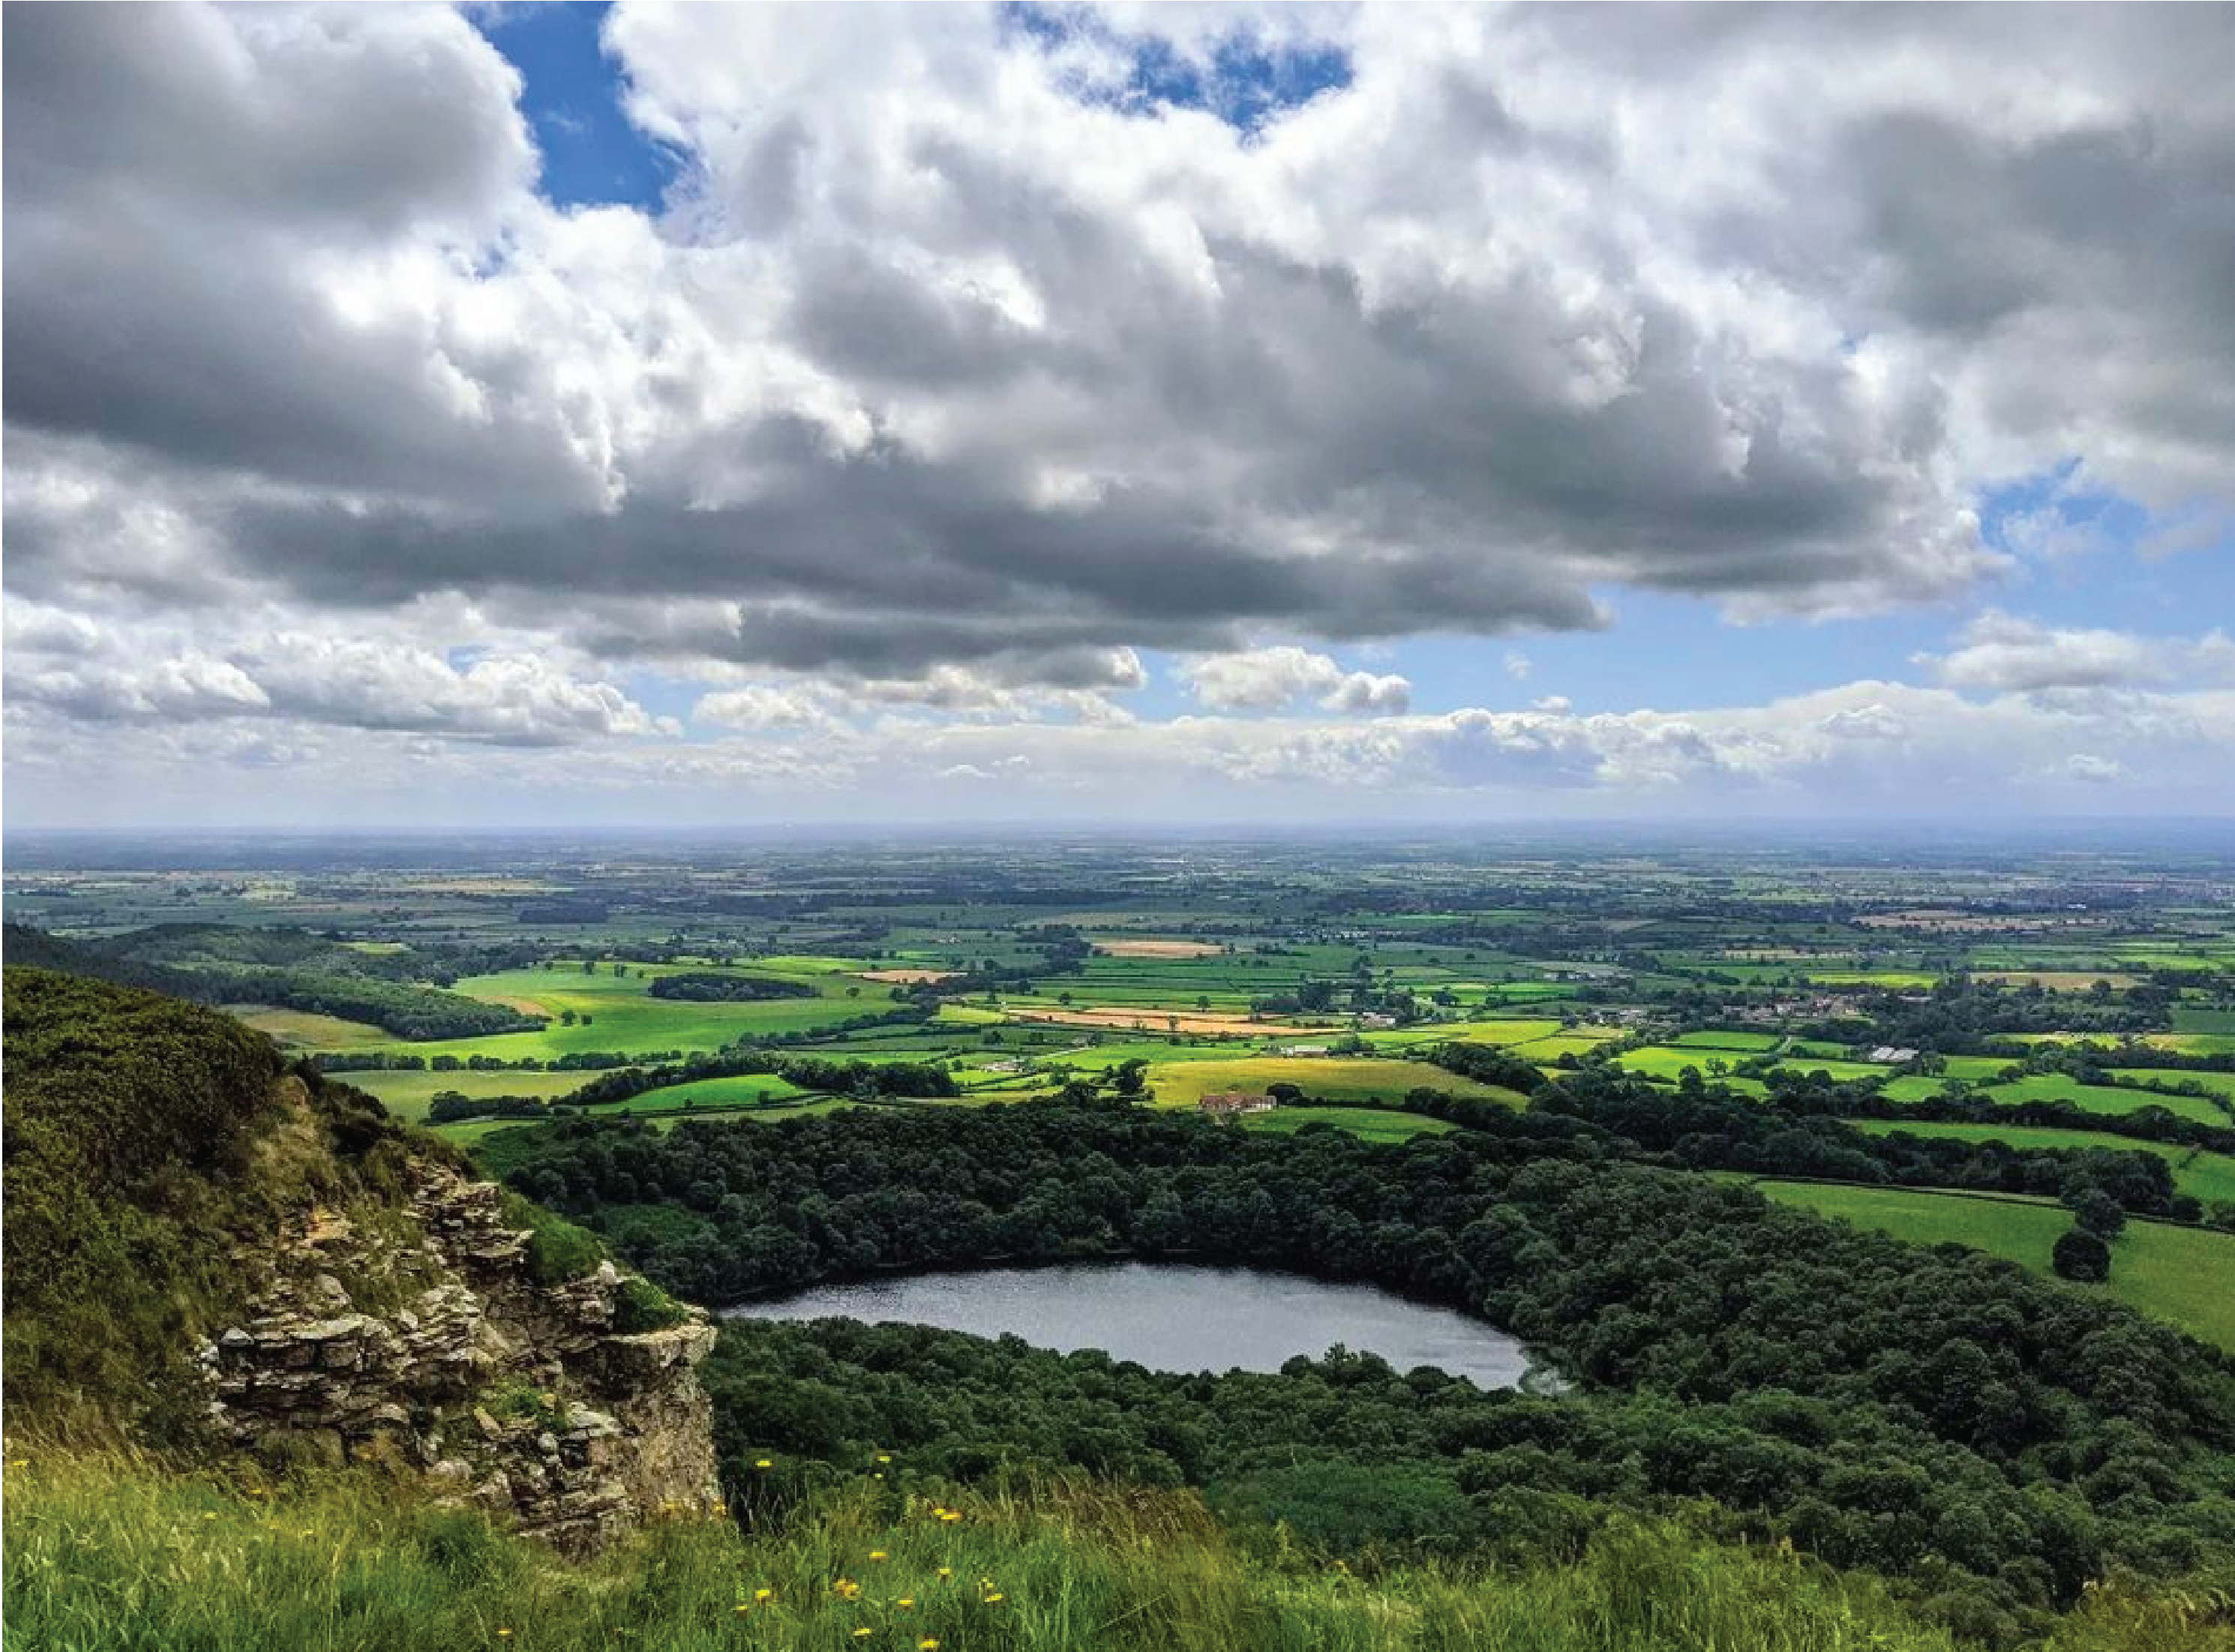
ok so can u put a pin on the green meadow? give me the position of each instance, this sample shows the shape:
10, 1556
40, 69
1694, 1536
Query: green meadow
1332, 1077
2179, 1274
2103, 1098
1372, 1124
2208, 1177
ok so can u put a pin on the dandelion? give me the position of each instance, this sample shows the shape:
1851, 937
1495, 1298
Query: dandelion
905, 1601
993, 1599
946, 1572
882, 1457
847, 1588
209, 1517
764, 1594
879, 1554
950, 1515
863, 1635
764, 1463
927, 1644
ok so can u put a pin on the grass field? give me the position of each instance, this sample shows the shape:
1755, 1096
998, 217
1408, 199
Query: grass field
1752, 1043
2178, 1275
1503, 1033
2103, 1098
1334, 1079
748, 1089
625, 1018
1369, 1122
302, 1030
2220, 1084
2208, 1177
407, 1094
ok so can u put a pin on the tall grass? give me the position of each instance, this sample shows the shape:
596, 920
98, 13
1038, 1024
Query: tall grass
109, 1551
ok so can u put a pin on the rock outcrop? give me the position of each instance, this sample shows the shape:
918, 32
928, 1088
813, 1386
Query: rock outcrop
419, 1336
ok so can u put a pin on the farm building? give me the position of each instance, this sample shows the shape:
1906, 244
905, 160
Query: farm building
1229, 1102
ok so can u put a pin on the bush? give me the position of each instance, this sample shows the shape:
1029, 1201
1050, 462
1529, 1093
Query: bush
642, 1306
2081, 1255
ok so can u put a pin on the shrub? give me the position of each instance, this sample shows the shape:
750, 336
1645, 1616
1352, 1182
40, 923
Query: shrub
2081, 1255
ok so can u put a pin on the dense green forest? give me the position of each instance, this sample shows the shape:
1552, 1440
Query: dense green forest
1994, 1439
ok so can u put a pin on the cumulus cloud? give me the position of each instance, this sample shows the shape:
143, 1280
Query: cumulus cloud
1264, 680
960, 368
2008, 653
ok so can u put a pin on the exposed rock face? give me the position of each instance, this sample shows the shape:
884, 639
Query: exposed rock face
444, 1355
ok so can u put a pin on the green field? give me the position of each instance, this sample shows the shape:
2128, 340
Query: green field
1501, 1032
2208, 1177
2103, 1098
745, 1090
1371, 1122
1752, 1043
407, 1094
2179, 1274
1333, 1077
2219, 1083
304, 1030
625, 1017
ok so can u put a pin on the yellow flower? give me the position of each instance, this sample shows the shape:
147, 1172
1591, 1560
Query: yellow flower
764, 1463
764, 1594
993, 1599
905, 1601
949, 1515
947, 1571
209, 1517
879, 1554
882, 1457
846, 1588
863, 1635
927, 1644
743, 1608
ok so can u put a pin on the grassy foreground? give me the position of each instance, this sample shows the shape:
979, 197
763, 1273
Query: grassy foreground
108, 1551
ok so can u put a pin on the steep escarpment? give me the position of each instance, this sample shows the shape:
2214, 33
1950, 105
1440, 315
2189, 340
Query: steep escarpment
207, 1250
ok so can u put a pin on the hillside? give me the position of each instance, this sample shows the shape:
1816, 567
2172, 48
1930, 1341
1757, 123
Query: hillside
208, 1250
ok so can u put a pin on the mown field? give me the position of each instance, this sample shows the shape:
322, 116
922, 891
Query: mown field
1333, 1077
2179, 1274
1372, 1124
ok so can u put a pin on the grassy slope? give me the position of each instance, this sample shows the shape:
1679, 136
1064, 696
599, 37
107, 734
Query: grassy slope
2179, 1274
108, 1552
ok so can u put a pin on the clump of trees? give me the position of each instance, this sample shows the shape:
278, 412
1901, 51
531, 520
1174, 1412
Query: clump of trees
699, 988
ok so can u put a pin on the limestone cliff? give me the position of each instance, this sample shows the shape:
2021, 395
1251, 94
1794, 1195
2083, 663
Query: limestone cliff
443, 1354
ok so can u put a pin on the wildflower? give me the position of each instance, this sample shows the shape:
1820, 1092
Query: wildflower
743, 1608
209, 1517
905, 1601
863, 1635
993, 1599
879, 1554
950, 1515
927, 1644
847, 1588
946, 1572
764, 1463
764, 1594
882, 1457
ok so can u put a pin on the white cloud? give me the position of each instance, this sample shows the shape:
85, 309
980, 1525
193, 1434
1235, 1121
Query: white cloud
1264, 680
2001, 652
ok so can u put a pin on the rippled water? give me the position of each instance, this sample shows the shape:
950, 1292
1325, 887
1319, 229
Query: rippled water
1174, 1317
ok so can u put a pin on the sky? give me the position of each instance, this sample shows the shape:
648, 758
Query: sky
690, 415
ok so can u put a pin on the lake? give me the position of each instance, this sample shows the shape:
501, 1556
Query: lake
1173, 1316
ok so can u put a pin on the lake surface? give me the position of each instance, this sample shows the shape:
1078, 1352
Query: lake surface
1173, 1316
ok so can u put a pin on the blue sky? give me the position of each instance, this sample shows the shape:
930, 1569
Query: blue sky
1021, 411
